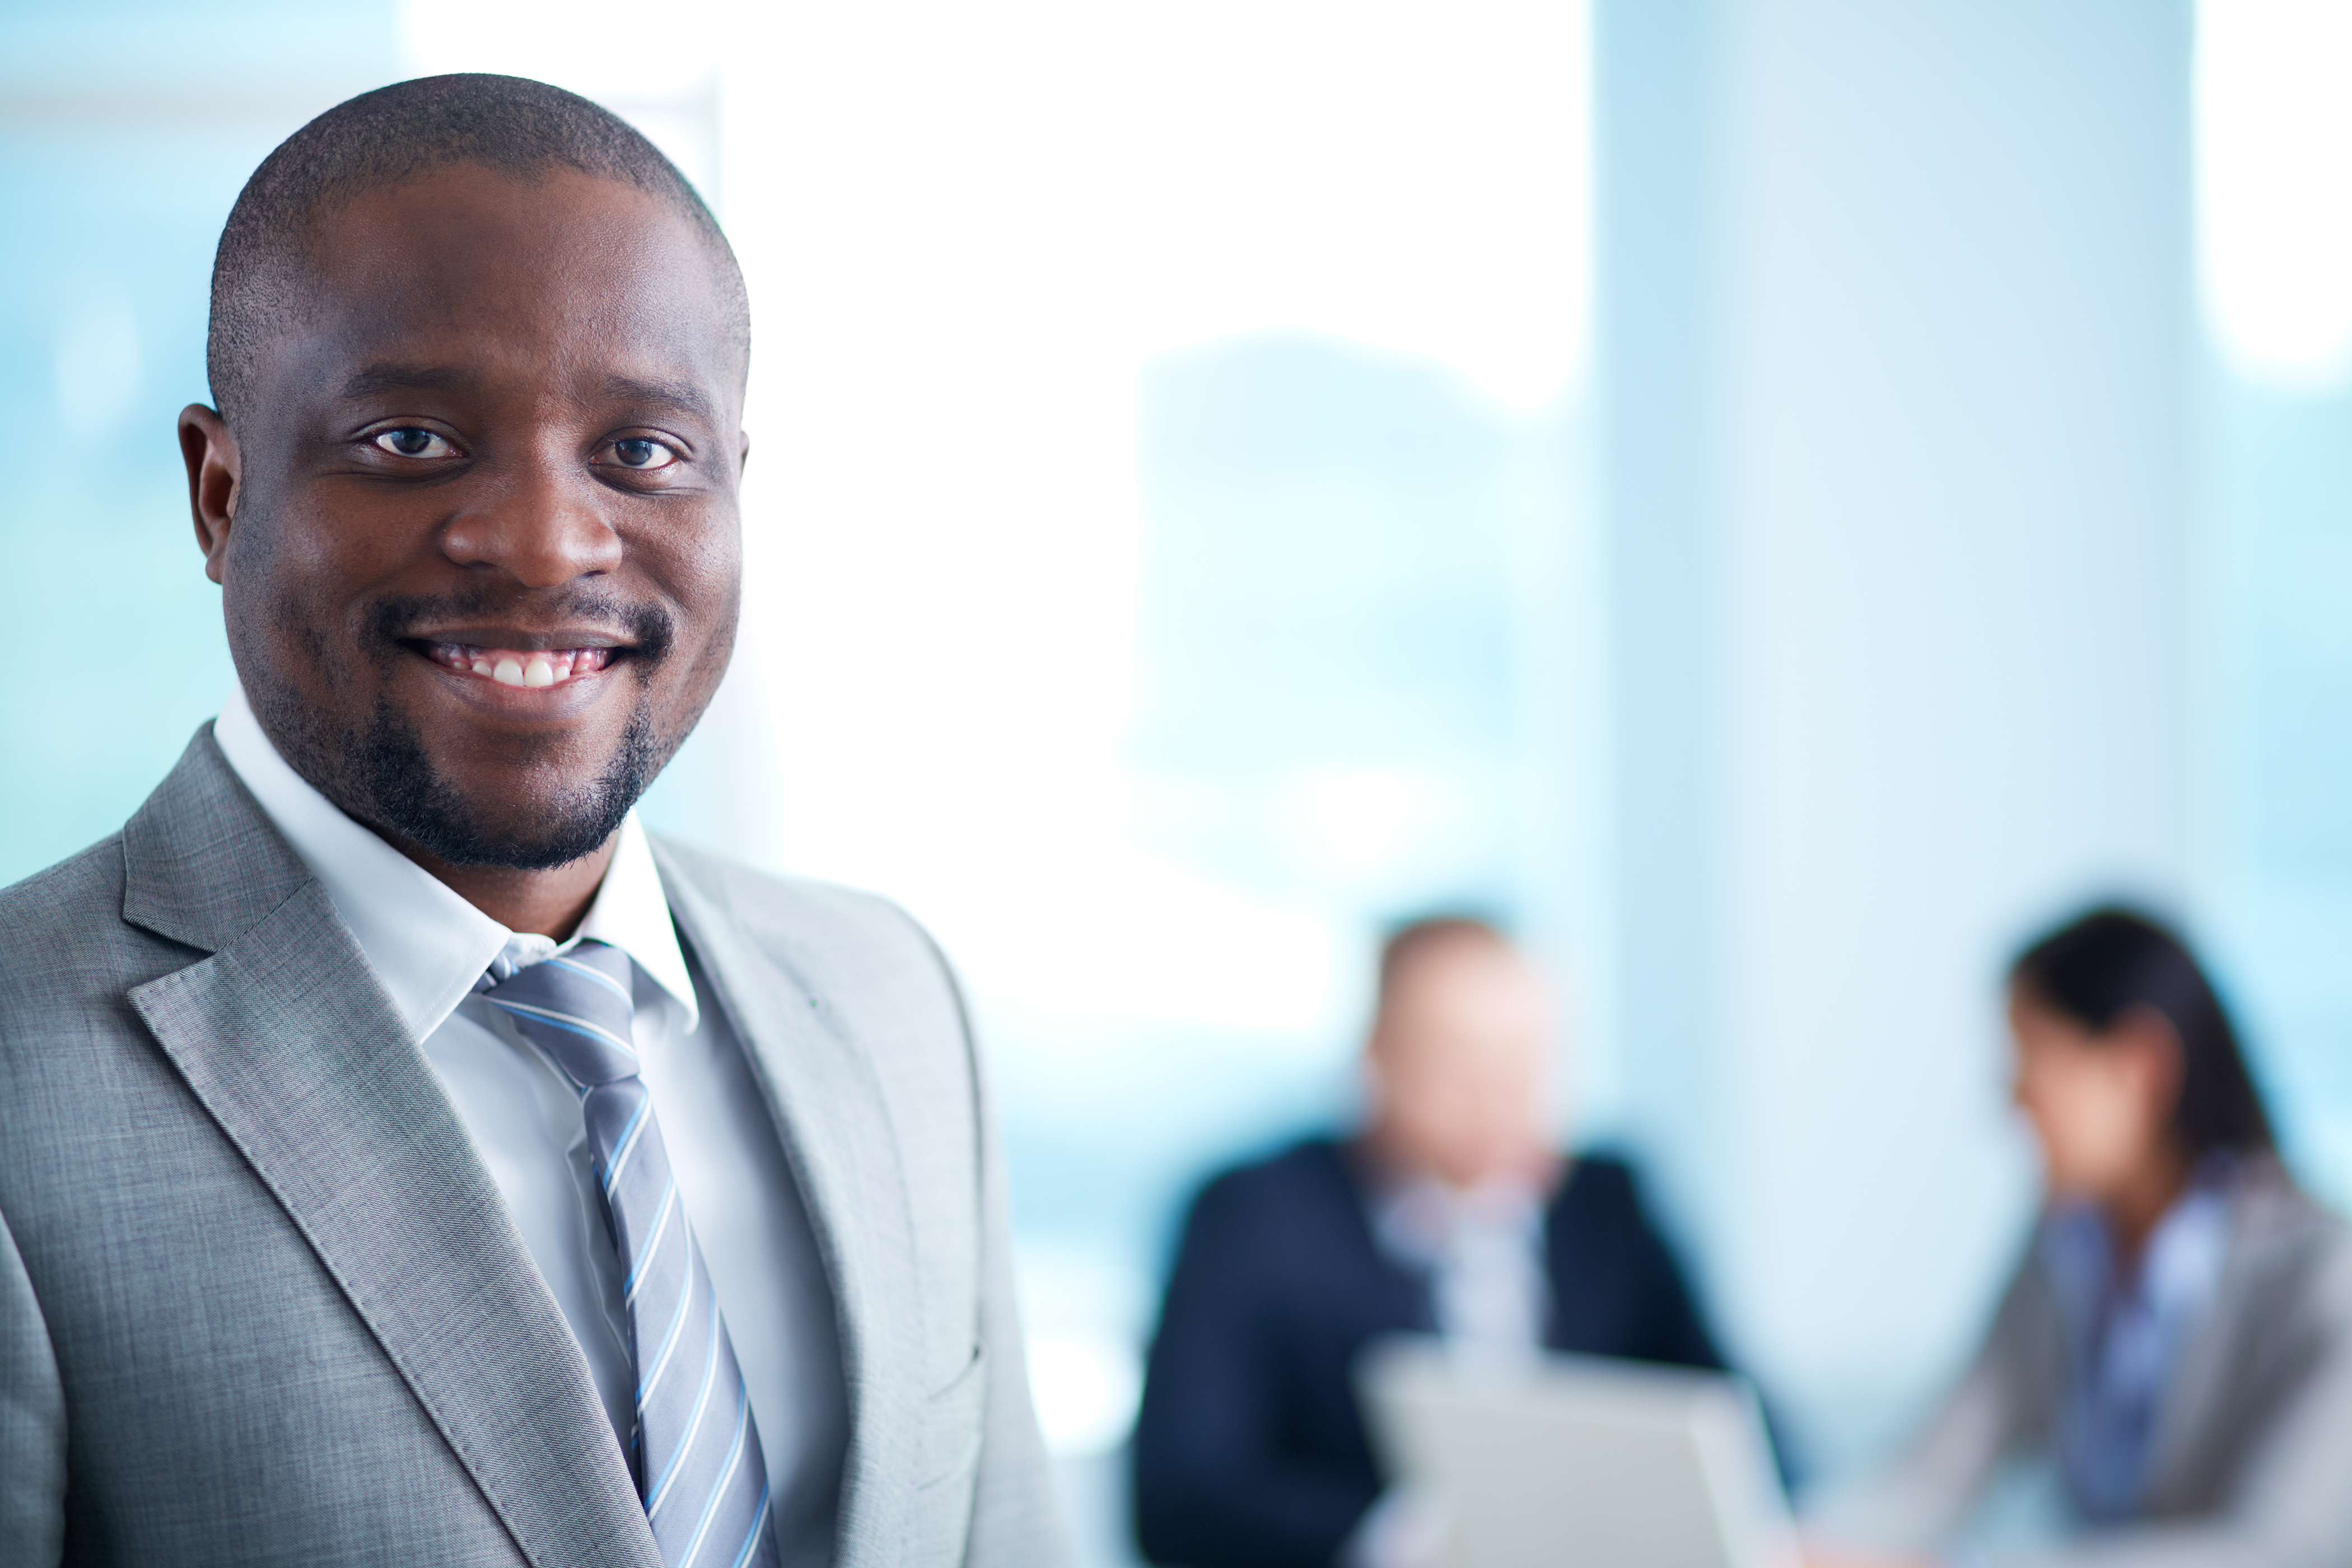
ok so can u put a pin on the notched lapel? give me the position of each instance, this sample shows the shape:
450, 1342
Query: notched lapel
285, 1036
2212, 1367
835, 1124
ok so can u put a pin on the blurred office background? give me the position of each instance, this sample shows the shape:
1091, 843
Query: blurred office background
1777, 496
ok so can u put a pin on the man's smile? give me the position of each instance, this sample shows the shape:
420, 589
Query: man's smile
533, 667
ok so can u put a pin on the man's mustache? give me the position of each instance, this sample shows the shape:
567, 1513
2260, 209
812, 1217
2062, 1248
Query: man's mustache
647, 628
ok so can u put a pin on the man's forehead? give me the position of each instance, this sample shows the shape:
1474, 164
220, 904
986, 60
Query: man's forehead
1467, 958
478, 234
379, 377
459, 281
693, 373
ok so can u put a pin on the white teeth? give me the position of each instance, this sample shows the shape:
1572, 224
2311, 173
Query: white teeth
533, 669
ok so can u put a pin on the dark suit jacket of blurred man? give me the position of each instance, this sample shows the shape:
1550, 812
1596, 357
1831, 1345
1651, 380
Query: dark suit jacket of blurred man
1249, 1452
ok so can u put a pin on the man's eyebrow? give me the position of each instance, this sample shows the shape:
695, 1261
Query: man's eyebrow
682, 395
385, 376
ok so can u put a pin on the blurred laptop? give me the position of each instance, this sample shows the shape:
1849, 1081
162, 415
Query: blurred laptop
1572, 1462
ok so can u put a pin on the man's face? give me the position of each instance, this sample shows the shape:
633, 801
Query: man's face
485, 563
1457, 1063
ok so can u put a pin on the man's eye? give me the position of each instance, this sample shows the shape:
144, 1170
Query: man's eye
411, 442
642, 452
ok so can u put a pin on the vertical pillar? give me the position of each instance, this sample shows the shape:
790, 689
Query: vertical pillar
1895, 304
1654, 112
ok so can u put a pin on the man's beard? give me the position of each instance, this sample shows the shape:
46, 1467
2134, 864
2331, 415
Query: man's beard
381, 774
406, 798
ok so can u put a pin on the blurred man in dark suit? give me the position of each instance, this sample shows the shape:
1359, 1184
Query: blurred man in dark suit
1450, 1213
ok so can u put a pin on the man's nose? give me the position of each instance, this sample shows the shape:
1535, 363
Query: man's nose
541, 517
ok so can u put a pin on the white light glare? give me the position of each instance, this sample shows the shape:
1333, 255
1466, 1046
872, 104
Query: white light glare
1086, 1388
597, 48
2274, 185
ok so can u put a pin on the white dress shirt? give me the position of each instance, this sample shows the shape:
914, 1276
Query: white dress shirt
1483, 1251
428, 946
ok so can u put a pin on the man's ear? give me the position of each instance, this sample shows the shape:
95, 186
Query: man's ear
213, 468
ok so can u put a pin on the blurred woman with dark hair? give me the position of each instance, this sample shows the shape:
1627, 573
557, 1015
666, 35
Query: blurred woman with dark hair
2179, 1339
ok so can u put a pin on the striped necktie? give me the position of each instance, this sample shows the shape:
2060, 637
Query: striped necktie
696, 1452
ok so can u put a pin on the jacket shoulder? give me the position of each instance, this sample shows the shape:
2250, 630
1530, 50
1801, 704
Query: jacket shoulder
1607, 1171
72, 890
2293, 1248
1602, 1189
62, 930
819, 930
1272, 1195
68, 1033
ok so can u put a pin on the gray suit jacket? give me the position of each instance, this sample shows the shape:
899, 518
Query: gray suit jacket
2253, 1441
261, 1303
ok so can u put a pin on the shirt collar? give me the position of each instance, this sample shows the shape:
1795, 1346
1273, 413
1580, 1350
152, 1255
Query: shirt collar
426, 944
632, 912
2180, 1267
1421, 1221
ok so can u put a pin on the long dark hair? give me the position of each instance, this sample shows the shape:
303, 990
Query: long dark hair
2095, 968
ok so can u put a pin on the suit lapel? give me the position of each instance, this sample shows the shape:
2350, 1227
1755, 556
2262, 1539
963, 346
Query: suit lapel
293, 1047
2211, 1372
2199, 1382
835, 1124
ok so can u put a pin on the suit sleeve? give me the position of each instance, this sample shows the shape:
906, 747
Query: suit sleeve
1999, 1405
32, 1422
1213, 1483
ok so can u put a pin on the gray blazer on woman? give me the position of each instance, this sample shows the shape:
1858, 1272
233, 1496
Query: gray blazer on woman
261, 1304
2251, 1464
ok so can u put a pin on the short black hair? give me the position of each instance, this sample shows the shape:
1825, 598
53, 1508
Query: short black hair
511, 124
2110, 961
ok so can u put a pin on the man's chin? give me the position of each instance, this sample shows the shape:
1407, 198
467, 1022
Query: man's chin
537, 820
538, 842
469, 823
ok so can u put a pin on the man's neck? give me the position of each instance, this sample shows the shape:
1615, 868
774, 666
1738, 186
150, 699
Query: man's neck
552, 903
1531, 1167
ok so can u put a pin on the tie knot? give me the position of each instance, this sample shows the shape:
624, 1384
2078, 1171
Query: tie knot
576, 1006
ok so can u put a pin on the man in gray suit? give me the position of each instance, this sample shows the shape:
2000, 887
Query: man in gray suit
403, 1158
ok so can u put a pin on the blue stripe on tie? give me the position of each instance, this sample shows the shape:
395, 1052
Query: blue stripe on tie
567, 1023
653, 1244
655, 1498
598, 976
669, 1341
718, 1487
627, 1143
759, 1522
666, 1453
